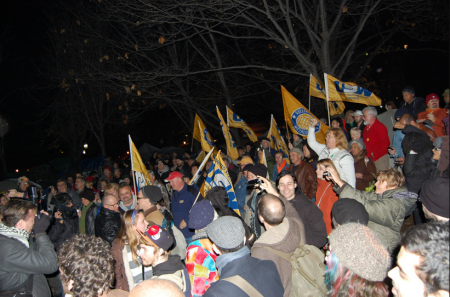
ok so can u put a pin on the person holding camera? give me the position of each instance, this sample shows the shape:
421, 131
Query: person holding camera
66, 220
387, 206
25, 256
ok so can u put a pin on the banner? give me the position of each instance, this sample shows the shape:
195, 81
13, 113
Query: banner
218, 177
348, 91
199, 170
231, 145
298, 117
317, 89
233, 120
264, 162
142, 178
202, 135
200, 157
278, 141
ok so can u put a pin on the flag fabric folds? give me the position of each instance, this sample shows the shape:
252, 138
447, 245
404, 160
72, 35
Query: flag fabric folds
199, 170
298, 117
142, 178
317, 89
218, 177
202, 135
350, 92
277, 140
233, 120
231, 145
200, 157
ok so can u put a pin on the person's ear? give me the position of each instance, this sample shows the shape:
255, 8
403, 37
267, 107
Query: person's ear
216, 250
295, 185
441, 293
261, 219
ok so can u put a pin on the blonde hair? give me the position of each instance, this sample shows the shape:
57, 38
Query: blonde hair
341, 140
392, 176
328, 163
355, 130
347, 115
112, 186
127, 235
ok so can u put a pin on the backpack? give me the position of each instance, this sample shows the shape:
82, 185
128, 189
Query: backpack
308, 270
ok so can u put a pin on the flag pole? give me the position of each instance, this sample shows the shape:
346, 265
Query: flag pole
309, 92
131, 159
328, 99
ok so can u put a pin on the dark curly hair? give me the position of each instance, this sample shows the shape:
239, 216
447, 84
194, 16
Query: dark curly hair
431, 243
87, 261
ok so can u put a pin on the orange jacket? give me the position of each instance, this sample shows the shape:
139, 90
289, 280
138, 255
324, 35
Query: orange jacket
439, 114
326, 196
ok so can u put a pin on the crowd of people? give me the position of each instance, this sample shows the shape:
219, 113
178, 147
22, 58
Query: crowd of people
326, 221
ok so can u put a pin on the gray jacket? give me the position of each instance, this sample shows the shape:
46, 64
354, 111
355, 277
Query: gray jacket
17, 262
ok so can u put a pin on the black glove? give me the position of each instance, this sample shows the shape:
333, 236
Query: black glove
41, 224
417, 146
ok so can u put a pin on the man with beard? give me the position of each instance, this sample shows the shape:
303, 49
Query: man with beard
434, 115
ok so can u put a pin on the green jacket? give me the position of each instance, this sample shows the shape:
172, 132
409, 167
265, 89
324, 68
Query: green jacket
386, 212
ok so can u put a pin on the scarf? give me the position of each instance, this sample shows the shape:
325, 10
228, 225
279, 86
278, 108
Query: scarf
223, 260
138, 272
82, 222
280, 167
14, 233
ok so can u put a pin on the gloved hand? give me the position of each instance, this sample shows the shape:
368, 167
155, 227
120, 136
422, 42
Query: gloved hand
41, 224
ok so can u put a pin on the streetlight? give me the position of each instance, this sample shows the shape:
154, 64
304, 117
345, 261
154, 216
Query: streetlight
85, 145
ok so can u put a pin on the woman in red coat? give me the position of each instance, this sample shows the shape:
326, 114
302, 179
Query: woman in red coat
325, 196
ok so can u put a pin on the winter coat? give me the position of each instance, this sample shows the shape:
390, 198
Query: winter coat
376, 139
418, 166
341, 158
305, 176
285, 238
18, 261
154, 217
261, 274
107, 224
386, 211
201, 264
368, 169
416, 106
60, 232
181, 204
438, 125
91, 214
312, 218
173, 270
325, 199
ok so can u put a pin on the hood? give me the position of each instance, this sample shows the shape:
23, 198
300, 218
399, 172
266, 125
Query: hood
284, 237
133, 205
172, 265
408, 199
165, 169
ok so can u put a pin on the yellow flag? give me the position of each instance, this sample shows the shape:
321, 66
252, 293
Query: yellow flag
231, 145
298, 117
202, 135
317, 89
278, 142
142, 178
233, 120
350, 92
264, 162
200, 157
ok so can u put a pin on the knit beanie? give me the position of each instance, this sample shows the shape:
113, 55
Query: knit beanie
349, 211
409, 89
226, 232
201, 215
153, 193
359, 250
258, 169
88, 194
434, 196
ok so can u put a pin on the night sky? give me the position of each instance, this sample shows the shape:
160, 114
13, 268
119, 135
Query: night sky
21, 93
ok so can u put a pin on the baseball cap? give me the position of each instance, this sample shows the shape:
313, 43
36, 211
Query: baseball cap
158, 236
446, 92
246, 159
358, 113
23, 179
173, 175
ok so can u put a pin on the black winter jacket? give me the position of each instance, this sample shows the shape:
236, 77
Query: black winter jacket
261, 274
17, 262
107, 225
417, 167
60, 232
91, 213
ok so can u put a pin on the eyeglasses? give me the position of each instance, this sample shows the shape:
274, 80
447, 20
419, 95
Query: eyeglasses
24, 183
436, 149
113, 205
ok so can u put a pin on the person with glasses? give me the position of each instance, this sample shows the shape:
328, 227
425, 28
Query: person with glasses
441, 157
23, 183
108, 221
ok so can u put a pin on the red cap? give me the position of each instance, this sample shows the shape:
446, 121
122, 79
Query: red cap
432, 96
107, 167
173, 175
89, 178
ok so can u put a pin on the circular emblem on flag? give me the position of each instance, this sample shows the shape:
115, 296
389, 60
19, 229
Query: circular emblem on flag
207, 137
301, 119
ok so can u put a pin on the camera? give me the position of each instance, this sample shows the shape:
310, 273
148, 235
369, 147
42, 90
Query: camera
252, 183
61, 201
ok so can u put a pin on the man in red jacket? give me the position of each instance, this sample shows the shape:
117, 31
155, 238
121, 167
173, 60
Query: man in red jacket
376, 139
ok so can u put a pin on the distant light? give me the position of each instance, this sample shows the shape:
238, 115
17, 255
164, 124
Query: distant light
379, 70
184, 142
406, 46
367, 54
186, 135
17, 170
85, 145
128, 153
381, 106
84, 152
28, 169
